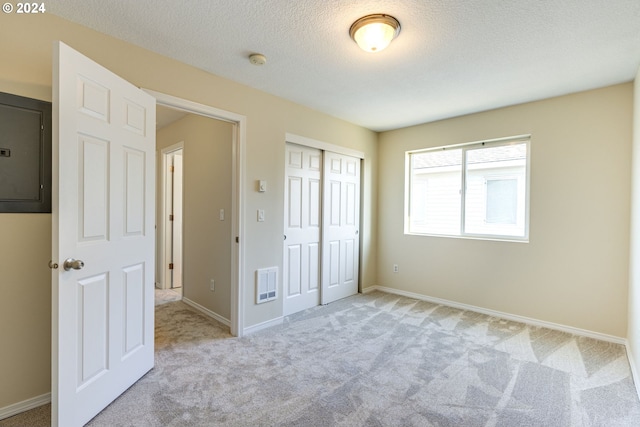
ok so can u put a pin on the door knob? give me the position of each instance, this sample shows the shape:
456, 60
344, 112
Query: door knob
74, 264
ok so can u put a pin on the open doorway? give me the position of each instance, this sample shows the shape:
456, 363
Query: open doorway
195, 210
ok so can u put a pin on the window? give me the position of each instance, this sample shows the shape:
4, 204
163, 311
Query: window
471, 190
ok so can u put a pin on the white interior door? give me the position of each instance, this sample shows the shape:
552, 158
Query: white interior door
340, 224
302, 228
103, 214
176, 224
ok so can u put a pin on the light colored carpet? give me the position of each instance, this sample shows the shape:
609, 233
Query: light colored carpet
376, 360
163, 296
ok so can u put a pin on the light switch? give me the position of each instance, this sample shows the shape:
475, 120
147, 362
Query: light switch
260, 215
221, 214
262, 186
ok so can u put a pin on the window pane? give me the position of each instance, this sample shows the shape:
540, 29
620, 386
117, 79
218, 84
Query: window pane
496, 190
435, 201
502, 201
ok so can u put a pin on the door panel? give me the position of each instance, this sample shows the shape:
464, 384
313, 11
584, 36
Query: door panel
302, 228
333, 261
294, 279
340, 227
133, 318
93, 188
313, 252
93, 339
294, 202
103, 186
134, 162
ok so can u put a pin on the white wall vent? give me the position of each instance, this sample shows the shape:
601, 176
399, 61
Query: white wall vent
266, 284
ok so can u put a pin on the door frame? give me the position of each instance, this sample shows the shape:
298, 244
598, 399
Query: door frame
238, 193
325, 146
164, 241
321, 145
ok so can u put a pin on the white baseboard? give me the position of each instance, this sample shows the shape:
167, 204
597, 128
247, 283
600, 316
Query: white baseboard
207, 312
634, 368
263, 325
25, 405
502, 315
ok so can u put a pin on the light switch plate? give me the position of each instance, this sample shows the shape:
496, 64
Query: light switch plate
260, 215
262, 186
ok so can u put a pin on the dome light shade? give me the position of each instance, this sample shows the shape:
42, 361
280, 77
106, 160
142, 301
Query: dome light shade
374, 32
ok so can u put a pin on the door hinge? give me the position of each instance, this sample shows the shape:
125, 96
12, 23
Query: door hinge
171, 266
237, 239
171, 168
170, 217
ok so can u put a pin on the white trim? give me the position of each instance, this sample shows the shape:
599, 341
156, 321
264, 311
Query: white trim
634, 368
194, 107
206, 311
502, 141
238, 223
238, 194
321, 145
264, 325
25, 405
502, 315
161, 221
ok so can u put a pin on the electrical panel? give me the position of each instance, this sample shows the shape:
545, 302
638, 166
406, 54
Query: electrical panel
25, 154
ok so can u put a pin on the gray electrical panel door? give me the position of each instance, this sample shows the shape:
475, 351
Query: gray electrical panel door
25, 154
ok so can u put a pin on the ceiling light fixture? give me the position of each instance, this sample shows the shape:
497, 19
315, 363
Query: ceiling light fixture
374, 32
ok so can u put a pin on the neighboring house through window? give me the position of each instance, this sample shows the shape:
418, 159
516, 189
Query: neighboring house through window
471, 190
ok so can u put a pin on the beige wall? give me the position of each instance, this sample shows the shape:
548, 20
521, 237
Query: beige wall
633, 334
25, 307
207, 189
574, 270
25, 69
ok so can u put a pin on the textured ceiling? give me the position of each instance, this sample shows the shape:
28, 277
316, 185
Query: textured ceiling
452, 57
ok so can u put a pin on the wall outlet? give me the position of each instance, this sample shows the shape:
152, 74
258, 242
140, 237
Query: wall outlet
396, 268
212, 285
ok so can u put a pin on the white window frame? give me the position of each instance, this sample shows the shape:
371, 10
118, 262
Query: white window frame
466, 146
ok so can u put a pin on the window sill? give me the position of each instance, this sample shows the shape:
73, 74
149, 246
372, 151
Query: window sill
507, 239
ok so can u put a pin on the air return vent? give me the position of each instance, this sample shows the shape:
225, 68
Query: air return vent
266, 284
